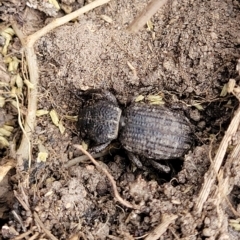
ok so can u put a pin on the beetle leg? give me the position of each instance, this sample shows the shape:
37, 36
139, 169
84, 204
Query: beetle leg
135, 160
99, 148
159, 166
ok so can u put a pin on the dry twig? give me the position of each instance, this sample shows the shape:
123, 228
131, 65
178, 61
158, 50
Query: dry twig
162, 227
146, 14
84, 158
35, 236
109, 176
210, 176
24, 235
40, 223
225, 185
18, 218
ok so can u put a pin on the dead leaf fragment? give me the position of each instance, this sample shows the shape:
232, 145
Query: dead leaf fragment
43, 153
224, 91
155, 99
54, 117
106, 18
41, 112
231, 85
228, 87
42, 157
61, 127
150, 25
2, 101
13, 65
3, 142
6, 130
198, 106
9, 31
56, 121
72, 118
55, 4
235, 223
19, 81
139, 98
84, 145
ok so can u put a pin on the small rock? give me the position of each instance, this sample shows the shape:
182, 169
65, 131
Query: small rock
195, 115
208, 232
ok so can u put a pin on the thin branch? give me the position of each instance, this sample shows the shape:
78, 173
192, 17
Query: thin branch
109, 176
162, 227
145, 15
24, 204
35, 236
84, 158
40, 223
25, 234
18, 219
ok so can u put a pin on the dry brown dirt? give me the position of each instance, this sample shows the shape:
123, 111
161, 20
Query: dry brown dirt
187, 55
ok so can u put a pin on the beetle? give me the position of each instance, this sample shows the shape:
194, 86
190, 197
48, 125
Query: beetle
150, 131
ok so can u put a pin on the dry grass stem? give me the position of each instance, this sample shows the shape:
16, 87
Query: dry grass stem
145, 15
84, 158
23, 235
35, 236
109, 176
18, 218
210, 175
162, 227
40, 223
24, 202
230, 162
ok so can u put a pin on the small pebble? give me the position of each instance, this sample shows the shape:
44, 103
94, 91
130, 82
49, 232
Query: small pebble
195, 115
208, 232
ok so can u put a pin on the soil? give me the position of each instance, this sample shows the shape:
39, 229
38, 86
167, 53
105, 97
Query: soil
187, 53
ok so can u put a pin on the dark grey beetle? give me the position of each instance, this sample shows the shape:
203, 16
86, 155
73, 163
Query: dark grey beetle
149, 131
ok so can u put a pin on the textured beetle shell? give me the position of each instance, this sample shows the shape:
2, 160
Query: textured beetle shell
99, 121
155, 132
